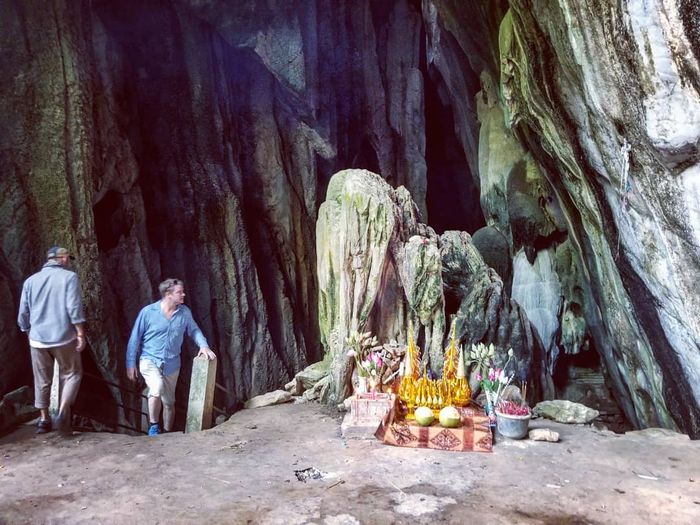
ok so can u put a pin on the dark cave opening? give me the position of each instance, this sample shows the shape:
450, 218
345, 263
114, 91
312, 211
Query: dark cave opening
110, 223
453, 300
366, 157
581, 378
453, 196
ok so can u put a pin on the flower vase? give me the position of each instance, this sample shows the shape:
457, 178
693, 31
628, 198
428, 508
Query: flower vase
361, 385
491, 413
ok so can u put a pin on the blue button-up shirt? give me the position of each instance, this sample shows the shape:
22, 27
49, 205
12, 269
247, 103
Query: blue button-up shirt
160, 339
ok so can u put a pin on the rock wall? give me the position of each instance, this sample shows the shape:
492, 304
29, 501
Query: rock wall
610, 109
588, 146
190, 139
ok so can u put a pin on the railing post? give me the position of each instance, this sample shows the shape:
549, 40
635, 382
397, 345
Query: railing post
201, 403
55, 400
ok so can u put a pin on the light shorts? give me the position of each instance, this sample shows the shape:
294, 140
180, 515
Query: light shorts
159, 385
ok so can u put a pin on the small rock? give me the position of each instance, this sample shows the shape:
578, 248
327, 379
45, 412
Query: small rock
310, 395
543, 434
219, 420
271, 398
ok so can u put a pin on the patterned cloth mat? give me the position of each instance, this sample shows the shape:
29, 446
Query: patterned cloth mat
473, 435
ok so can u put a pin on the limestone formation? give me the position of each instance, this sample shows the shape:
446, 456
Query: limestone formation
487, 314
379, 267
359, 274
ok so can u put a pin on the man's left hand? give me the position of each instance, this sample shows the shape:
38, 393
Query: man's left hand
207, 353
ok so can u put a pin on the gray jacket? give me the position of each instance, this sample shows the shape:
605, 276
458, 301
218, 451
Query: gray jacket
50, 305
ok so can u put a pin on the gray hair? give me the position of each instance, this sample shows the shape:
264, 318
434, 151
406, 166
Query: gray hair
166, 285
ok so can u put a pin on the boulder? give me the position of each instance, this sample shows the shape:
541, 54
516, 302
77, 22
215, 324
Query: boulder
271, 398
565, 411
493, 247
308, 377
17, 407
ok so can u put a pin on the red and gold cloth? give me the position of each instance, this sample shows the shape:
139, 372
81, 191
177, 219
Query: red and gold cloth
473, 435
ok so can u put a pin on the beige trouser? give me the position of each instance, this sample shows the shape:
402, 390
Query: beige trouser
70, 368
159, 385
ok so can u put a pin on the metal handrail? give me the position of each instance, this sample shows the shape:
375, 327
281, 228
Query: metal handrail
110, 423
120, 405
120, 388
88, 374
222, 388
131, 409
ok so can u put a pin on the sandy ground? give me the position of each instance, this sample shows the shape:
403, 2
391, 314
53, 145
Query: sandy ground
244, 472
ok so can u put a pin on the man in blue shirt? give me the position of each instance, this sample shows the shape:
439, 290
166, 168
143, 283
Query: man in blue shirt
158, 333
51, 311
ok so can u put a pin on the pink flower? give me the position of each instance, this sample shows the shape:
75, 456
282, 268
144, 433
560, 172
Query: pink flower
352, 353
492, 374
479, 377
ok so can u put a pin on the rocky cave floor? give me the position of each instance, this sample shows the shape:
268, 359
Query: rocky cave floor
243, 471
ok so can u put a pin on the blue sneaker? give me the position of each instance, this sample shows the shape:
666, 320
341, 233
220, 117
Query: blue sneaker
154, 429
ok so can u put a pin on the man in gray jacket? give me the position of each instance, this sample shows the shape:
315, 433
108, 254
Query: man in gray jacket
51, 310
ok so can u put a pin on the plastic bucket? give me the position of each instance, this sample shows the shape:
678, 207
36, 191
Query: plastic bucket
513, 427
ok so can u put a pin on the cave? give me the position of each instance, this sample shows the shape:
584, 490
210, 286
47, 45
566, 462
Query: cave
515, 182
453, 194
197, 140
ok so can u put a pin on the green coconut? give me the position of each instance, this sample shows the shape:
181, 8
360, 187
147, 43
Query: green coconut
449, 417
424, 416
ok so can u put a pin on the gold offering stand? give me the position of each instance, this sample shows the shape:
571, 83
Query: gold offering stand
416, 390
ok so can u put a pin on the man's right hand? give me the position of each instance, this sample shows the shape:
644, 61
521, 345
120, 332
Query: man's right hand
132, 374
